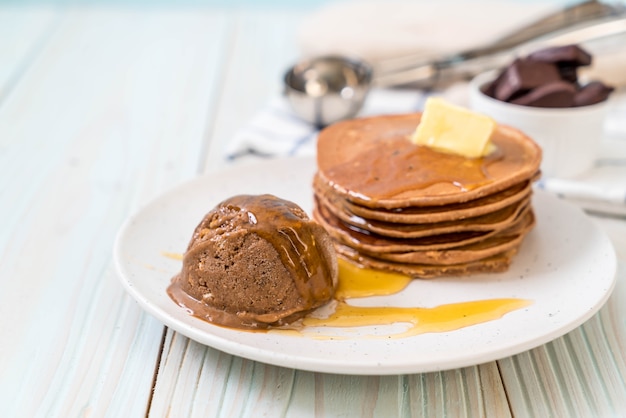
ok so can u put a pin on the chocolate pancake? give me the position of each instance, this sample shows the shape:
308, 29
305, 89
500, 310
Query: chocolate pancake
373, 243
494, 264
495, 244
370, 243
493, 221
390, 204
371, 162
429, 214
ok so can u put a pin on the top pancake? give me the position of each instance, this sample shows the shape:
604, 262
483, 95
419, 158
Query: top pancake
372, 162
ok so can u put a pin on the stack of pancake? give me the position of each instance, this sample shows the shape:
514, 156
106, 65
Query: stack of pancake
390, 204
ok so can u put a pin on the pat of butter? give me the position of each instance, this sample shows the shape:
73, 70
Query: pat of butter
453, 129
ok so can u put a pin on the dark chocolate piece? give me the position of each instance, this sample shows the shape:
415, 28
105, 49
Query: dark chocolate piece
568, 73
490, 89
570, 55
592, 93
523, 75
554, 94
548, 78
566, 58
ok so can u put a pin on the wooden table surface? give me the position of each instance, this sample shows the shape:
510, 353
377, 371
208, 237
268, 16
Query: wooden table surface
103, 109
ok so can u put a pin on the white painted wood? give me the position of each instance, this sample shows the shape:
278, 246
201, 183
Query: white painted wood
109, 113
198, 381
23, 33
582, 373
102, 109
261, 49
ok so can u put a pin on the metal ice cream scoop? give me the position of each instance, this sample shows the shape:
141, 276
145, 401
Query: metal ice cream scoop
327, 89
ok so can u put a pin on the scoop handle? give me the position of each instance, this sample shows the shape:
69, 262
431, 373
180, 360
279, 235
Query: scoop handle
576, 24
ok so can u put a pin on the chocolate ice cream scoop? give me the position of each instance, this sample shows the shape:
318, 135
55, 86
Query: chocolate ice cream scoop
255, 262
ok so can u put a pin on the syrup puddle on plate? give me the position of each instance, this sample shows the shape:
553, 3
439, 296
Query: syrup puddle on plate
331, 321
358, 282
441, 318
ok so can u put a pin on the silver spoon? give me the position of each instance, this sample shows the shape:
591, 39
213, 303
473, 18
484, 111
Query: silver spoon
327, 89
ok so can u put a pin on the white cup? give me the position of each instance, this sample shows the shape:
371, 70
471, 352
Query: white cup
569, 137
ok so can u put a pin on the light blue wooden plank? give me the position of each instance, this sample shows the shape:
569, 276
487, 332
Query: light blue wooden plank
212, 383
108, 115
24, 31
178, 4
263, 47
579, 375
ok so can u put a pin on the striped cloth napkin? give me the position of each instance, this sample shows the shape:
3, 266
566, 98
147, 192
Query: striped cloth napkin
277, 132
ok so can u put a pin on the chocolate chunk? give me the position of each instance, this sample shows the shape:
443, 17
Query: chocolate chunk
523, 75
548, 78
554, 94
490, 89
568, 73
592, 93
568, 55
567, 59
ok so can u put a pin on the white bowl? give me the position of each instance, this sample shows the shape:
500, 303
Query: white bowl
569, 137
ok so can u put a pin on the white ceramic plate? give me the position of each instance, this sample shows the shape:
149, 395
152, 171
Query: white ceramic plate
566, 267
